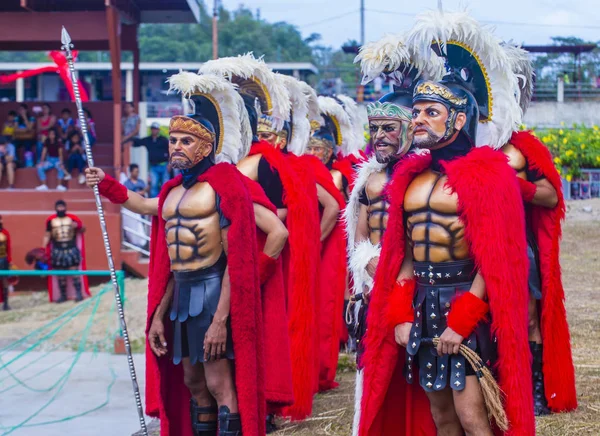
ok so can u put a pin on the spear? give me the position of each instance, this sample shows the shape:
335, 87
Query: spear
67, 46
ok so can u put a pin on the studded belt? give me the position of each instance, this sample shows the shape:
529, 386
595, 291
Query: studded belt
446, 273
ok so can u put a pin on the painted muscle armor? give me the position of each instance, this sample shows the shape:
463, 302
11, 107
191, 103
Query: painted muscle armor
62, 230
3, 246
193, 227
377, 206
435, 231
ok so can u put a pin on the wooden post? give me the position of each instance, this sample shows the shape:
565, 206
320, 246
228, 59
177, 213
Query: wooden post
136, 72
114, 43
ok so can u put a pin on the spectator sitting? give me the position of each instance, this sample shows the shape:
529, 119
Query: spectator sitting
25, 137
52, 157
76, 157
7, 161
133, 183
130, 129
91, 127
8, 129
45, 122
66, 125
158, 157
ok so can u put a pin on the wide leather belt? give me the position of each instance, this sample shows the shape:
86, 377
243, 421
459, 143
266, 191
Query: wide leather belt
446, 273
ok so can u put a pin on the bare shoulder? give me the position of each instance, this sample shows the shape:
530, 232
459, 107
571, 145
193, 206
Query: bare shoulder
515, 158
249, 166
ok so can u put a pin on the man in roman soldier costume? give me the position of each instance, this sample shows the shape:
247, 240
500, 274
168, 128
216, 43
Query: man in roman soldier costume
268, 104
454, 249
204, 276
541, 188
65, 247
366, 215
5, 264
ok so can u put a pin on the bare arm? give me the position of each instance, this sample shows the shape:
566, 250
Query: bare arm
545, 194
46, 239
215, 341
282, 214
135, 202
331, 210
44, 153
478, 287
156, 333
272, 226
362, 226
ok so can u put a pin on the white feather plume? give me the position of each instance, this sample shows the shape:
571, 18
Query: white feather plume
333, 109
441, 27
300, 121
523, 69
236, 133
246, 67
314, 111
357, 121
391, 56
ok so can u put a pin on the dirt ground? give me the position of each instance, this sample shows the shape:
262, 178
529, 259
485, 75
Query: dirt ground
333, 411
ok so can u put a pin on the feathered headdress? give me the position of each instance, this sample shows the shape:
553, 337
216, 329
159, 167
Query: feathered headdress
392, 58
217, 100
300, 124
523, 69
355, 141
471, 49
337, 121
314, 111
256, 80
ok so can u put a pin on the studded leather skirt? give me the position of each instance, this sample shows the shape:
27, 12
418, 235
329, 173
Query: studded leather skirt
437, 286
195, 300
65, 255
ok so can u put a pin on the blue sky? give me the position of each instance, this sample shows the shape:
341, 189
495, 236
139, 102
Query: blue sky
531, 21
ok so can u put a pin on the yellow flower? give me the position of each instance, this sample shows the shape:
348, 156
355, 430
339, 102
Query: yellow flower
583, 146
562, 123
569, 177
564, 140
595, 127
569, 153
561, 131
598, 159
558, 161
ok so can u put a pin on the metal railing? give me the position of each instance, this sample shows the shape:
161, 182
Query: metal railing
136, 239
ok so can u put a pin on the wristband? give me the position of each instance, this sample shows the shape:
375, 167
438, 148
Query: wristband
400, 304
266, 267
466, 312
113, 190
527, 189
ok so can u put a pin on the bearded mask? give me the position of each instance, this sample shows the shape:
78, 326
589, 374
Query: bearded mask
390, 127
190, 141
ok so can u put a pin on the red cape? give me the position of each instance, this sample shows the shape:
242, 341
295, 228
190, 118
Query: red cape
332, 283
300, 263
9, 258
345, 165
491, 206
53, 289
167, 397
559, 372
278, 365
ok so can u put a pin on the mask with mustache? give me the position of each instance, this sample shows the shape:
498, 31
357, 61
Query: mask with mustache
390, 128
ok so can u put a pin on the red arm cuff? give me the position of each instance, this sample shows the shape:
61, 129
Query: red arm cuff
527, 189
400, 305
113, 190
466, 312
266, 267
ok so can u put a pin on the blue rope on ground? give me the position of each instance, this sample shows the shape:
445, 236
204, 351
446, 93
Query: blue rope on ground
42, 336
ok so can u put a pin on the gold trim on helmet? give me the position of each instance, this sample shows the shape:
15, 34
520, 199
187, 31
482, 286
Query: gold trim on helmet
255, 88
432, 88
183, 124
485, 76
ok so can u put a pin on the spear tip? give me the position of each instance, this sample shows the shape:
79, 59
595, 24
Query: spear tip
65, 37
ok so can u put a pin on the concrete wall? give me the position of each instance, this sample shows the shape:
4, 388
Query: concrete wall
551, 114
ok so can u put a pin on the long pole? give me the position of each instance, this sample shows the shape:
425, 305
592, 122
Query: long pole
362, 22
215, 31
67, 46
